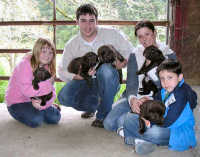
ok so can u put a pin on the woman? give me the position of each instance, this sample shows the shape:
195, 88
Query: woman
146, 34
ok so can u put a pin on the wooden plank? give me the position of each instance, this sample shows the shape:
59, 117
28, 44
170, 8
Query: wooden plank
21, 23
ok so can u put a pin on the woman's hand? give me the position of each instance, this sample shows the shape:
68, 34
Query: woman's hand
135, 105
36, 103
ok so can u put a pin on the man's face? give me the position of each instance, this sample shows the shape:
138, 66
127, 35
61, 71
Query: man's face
88, 26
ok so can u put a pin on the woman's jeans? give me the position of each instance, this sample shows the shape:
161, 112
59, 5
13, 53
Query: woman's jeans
28, 115
99, 96
154, 134
115, 118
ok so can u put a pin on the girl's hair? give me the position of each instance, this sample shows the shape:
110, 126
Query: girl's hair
36, 54
153, 111
170, 65
142, 24
153, 54
86, 9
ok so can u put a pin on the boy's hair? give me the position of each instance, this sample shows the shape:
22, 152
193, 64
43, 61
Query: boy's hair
36, 55
86, 9
142, 24
170, 65
153, 111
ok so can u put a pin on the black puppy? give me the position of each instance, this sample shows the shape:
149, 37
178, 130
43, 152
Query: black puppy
41, 74
155, 57
82, 65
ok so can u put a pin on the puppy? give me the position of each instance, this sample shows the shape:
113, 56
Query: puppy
153, 111
153, 58
108, 54
41, 74
82, 65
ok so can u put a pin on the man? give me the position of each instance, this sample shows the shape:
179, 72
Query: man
106, 85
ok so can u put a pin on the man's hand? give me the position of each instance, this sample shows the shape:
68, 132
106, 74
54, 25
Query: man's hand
120, 65
78, 77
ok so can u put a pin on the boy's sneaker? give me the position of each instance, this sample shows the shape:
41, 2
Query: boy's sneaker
144, 147
120, 131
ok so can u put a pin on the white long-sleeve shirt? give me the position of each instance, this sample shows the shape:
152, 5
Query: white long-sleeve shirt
77, 47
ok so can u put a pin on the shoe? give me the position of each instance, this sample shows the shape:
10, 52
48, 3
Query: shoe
97, 123
144, 147
120, 131
87, 115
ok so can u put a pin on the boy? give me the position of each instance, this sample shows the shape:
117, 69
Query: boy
178, 129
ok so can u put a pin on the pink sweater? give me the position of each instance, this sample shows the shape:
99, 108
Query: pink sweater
20, 87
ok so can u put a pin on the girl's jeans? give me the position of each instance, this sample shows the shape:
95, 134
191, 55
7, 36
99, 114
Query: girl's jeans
155, 134
27, 114
99, 96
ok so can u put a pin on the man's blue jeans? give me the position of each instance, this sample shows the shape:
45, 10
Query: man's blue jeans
108, 86
155, 134
79, 95
27, 114
115, 118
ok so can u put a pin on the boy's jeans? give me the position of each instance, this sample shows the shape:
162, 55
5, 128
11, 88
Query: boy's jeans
155, 134
27, 114
79, 95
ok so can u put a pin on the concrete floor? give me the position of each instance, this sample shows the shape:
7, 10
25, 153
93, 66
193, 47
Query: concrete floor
73, 137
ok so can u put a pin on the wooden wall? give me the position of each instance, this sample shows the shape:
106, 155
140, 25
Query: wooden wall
185, 37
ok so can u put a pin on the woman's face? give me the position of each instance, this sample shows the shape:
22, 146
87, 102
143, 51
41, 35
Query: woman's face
46, 55
146, 36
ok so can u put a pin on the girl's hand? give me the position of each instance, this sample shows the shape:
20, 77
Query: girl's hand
36, 103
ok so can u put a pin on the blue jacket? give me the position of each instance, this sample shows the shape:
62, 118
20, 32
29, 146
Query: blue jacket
179, 116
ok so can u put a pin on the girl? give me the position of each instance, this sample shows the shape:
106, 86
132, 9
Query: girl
20, 89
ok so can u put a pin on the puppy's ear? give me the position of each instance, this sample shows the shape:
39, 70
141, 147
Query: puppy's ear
35, 84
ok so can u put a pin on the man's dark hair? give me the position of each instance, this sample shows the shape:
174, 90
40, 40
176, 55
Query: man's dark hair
170, 65
86, 9
142, 24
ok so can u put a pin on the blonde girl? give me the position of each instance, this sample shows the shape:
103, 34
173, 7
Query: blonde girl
20, 89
